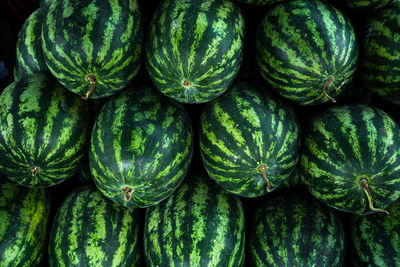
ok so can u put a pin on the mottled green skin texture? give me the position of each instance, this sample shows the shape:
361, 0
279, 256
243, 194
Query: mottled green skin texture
300, 45
260, 2
24, 215
91, 230
346, 143
200, 42
45, 3
293, 180
29, 58
380, 54
365, 5
41, 125
198, 225
376, 238
143, 140
100, 38
295, 230
243, 129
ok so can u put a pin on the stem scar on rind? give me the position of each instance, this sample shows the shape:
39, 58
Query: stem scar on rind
364, 185
34, 170
186, 83
127, 191
92, 80
262, 169
328, 82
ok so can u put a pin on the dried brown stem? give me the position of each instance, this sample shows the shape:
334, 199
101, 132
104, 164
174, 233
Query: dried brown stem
262, 169
328, 82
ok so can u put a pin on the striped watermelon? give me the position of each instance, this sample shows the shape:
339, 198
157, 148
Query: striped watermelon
376, 238
24, 216
43, 131
141, 147
90, 230
351, 159
195, 48
198, 225
306, 51
295, 230
380, 54
249, 140
29, 46
93, 47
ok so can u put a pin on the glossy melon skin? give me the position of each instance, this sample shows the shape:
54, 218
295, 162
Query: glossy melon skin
141, 147
380, 49
93, 41
349, 144
195, 48
91, 230
198, 225
24, 217
44, 131
244, 129
29, 56
295, 230
304, 46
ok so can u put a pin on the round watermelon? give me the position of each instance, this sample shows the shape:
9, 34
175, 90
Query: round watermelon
43, 131
307, 51
376, 238
194, 49
380, 52
93, 48
141, 147
24, 217
295, 230
351, 158
249, 140
29, 56
91, 230
198, 225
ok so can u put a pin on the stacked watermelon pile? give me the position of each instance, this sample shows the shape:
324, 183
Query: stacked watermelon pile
203, 133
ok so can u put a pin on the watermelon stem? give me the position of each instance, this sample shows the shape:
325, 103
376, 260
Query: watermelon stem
92, 80
34, 170
186, 83
328, 82
127, 191
262, 169
364, 184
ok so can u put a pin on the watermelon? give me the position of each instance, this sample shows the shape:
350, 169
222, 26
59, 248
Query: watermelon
198, 225
376, 238
249, 140
93, 48
380, 52
90, 230
351, 158
194, 48
24, 216
29, 46
306, 51
141, 147
295, 230
43, 131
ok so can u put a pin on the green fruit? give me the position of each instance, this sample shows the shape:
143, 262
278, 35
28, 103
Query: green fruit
93, 48
43, 131
141, 147
195, 48
198, 225
306, 51
90, 230
249, 140
29, 58
351, 159
295, 230
24, 216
